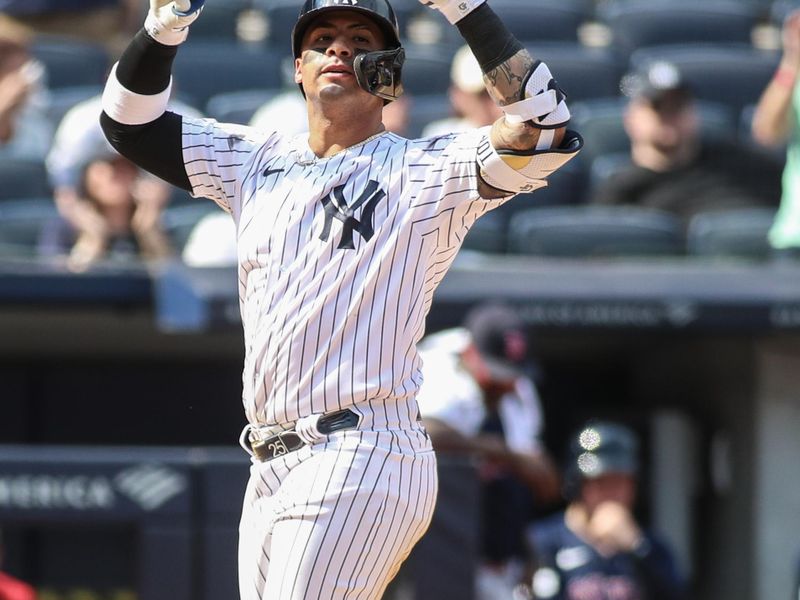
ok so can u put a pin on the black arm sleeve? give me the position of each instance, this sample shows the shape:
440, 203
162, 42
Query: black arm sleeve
145, 68
155, 146
487, 36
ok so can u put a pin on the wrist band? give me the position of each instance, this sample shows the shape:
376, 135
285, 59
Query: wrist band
785, 78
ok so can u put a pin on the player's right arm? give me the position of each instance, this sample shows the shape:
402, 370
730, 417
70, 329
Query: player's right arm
134, 117
531, 140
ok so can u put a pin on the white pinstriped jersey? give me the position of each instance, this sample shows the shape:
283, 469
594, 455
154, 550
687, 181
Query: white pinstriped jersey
338, 261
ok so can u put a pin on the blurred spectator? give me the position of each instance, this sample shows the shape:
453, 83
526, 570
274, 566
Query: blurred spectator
472, 105
78, 141
12, 588
25, 130
775, 123
129, 207
596, 548
671, 167
476, 399
103, 21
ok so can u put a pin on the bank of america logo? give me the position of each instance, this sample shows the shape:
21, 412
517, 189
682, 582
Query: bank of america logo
150, 486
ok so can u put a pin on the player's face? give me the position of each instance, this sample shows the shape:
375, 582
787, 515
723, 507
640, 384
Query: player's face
611, 487
331, 42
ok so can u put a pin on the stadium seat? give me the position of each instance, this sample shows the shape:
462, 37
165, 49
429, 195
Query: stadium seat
636, 25
239, 106
566, 187
550, 20
71, 62
22, 178
595, 231
605, 166
204, 68
738, 233
731, 75
488, 234
219, 21
583, 73
427, 69
21, 223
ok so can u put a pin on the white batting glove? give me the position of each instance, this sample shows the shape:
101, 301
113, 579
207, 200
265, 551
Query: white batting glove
168, 20
453, 10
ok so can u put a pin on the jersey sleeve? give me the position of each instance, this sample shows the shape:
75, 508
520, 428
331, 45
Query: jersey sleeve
220, 157
445, 179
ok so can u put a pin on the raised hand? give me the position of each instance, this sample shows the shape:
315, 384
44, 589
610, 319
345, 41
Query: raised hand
168, 20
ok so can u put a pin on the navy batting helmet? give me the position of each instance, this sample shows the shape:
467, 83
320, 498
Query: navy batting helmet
376, 72
599, 447
604, 447
379, 10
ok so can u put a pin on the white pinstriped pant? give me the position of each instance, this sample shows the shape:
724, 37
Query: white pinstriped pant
335, 520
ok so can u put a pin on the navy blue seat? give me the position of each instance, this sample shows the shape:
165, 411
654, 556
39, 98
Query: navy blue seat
544, 21
487, 234
21, 224
660, 22
23, 178
595, 231
736, 233
71, 62
583, 73
204, 68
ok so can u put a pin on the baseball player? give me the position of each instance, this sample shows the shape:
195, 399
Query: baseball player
596, 548
343, 235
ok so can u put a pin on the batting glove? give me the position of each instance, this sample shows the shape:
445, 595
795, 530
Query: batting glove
453, 10
168, 20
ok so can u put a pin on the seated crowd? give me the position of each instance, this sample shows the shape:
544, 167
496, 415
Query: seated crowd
659, 146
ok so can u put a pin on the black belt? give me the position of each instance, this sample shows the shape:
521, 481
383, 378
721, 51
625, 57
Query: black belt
288, 441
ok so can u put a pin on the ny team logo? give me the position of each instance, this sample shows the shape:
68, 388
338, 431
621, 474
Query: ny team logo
336, 207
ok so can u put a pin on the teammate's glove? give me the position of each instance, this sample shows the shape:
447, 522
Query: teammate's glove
453, 10
168, 20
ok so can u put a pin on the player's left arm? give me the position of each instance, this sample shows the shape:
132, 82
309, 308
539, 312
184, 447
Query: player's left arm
531, 140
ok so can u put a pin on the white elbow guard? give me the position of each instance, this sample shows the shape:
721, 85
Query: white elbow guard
543, 104
524, 171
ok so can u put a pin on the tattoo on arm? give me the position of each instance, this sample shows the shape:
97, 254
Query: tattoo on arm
504, 82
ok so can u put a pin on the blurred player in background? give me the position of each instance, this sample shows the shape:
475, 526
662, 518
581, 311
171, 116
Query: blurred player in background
596, 548
478, 399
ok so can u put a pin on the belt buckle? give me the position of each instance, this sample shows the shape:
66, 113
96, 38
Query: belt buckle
272, 447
